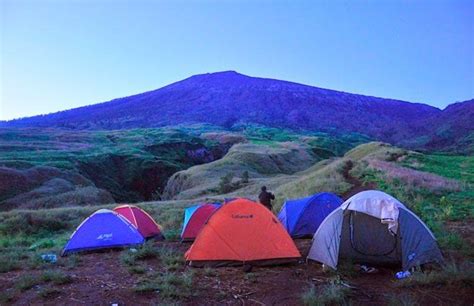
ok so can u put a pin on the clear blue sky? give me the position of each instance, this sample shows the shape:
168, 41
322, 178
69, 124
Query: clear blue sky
57, 55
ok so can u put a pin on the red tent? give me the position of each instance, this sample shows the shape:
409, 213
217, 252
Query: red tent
242, 231
194, 219
141, 220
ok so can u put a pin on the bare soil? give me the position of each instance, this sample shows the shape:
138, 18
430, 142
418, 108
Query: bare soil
101, 279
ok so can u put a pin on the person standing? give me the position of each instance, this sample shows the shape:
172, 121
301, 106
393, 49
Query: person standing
266, 198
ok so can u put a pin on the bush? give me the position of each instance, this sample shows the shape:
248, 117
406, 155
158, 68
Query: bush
245, 177
170, 258
147, 251
332, 293
26, 282
225, 184
56, 276
47, 292
7, 263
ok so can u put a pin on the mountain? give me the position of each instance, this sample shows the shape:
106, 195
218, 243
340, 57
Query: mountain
229, 98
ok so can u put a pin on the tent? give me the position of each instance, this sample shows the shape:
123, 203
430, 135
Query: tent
103, 229
141, 220
373, 227
194, 219
242, 231
302, 217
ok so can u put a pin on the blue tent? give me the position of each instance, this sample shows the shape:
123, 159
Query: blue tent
103, 229
302, 217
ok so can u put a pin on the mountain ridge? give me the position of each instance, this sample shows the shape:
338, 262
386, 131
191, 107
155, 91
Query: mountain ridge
228, 98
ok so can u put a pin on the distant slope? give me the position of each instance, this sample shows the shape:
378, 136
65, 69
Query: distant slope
228, 98
453, 128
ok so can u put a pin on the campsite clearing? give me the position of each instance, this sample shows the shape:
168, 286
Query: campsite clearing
105, 277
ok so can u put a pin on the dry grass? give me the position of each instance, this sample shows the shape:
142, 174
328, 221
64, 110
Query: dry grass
416, 179
324, 177
260, 161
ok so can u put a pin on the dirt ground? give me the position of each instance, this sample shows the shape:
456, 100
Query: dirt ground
101, 279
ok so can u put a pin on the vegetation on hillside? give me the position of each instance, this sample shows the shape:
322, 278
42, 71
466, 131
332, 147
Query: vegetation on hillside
46, 168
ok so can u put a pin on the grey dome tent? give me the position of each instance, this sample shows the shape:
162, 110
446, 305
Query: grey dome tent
374, 227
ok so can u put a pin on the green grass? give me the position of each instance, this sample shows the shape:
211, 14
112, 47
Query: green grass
329, 294
137, 269
57, 277
8, 263
456, 167
6, 297
170, 258
131, 256
449, 275
168, 285
47, 293
27, 281
210, 272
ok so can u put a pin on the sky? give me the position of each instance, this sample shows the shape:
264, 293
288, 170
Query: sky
57, 55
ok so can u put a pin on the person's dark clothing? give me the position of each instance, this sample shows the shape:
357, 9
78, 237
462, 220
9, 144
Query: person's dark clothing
266, 198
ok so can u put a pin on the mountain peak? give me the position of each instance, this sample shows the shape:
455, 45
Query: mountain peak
228, 74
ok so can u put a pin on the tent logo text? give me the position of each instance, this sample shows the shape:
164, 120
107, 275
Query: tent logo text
242, 216
105, 236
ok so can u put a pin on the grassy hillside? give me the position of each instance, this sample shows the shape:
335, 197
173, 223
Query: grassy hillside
44, 168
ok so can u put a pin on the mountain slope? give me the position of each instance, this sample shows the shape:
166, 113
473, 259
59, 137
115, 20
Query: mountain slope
227, 98
453, 128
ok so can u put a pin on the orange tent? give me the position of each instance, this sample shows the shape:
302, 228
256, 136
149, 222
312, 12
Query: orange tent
242, 231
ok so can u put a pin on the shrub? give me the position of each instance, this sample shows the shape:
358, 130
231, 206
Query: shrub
47, 292
137, 269
146, 251
26, 282
225, 184
245, 177
326, 295
332, 293
8, 263
210, 272
170, 258
56, 276
6, 297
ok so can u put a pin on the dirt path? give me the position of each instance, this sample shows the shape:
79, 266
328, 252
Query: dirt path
357, 185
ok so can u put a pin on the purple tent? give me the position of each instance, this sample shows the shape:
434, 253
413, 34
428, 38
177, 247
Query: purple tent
103, 229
